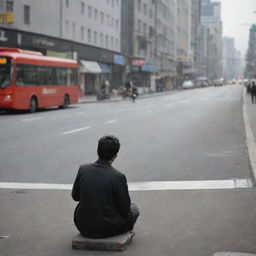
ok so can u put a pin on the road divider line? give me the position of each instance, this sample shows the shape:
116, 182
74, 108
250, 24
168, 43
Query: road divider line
146, 186
111, 122
31, 119
76, 130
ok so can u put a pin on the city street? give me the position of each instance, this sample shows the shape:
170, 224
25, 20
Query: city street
184, 155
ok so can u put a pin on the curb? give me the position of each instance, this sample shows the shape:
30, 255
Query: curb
250, 140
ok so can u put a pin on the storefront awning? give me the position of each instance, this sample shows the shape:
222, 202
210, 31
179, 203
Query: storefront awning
89, 67
105, 68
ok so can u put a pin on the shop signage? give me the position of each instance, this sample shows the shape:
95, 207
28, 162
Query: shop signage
6, 17
42, 41
138, 62
118, 59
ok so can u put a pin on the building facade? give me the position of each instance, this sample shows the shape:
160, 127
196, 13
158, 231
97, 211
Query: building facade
183, 40
89, 31
149, 39
250, 71
211, 65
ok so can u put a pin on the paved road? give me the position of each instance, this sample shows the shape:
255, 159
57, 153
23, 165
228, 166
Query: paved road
191, 136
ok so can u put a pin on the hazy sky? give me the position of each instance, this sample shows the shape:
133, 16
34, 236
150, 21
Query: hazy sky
235, 14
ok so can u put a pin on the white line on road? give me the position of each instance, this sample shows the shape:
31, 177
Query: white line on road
76, 130
31, 119
111, 122
146, 186
80, 113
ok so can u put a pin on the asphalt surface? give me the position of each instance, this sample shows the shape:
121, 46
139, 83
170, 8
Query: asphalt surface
192, 135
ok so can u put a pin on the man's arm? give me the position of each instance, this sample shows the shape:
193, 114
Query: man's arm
76, 188
122, 197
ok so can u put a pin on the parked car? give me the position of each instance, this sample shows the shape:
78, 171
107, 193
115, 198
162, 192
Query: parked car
202, 82
218, 82
188, 84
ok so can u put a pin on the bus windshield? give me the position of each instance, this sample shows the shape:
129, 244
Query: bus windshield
5, 71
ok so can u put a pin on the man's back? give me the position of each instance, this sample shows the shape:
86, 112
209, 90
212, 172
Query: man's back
104, 200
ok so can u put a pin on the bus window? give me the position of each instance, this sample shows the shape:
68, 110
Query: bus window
26, 75
5, 72
46, 75
62, 76
30, 75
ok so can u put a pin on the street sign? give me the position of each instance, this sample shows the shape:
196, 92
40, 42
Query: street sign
6, 17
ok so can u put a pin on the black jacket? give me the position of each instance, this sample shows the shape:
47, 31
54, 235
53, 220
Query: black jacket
104, 201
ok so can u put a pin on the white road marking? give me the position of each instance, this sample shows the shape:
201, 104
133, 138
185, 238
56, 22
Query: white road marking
251, 144
149, 111
81, 113
111, 122
4, 236
146, 186
31, 119
76, 130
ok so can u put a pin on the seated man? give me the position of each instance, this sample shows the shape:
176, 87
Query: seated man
104, 207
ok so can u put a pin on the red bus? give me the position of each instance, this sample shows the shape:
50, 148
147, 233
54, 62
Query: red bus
29, 80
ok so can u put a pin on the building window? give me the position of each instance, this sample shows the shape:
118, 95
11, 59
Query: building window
74, 30
117, 24
102, 17
139, 25
145, 9
89, 35
116, 43
101, 39
112, 22
67, 26
117, 2
82, 33
150, 13
107, 41
26, 14
9, 6
113, 3
67, 3
108, 20
144, 28
95, 14
95, 37
82, 7
89, 11
112, 42
139, 5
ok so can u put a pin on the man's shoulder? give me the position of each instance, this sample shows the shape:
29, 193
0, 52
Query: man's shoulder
117, 173
84, 167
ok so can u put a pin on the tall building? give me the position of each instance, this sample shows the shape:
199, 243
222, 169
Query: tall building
211, 44
149, 40
184, 61
232, 61
250, 71
195, 35
87, 30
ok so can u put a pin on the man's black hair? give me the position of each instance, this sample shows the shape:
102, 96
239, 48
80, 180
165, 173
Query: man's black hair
108, 147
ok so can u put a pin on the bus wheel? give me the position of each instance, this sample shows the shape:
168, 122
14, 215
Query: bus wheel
65, 101
32, 105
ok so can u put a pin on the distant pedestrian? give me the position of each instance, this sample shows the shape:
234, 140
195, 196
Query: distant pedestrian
253, 92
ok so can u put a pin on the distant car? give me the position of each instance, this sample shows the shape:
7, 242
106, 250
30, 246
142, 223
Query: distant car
218, 82
188, 84
202, 82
